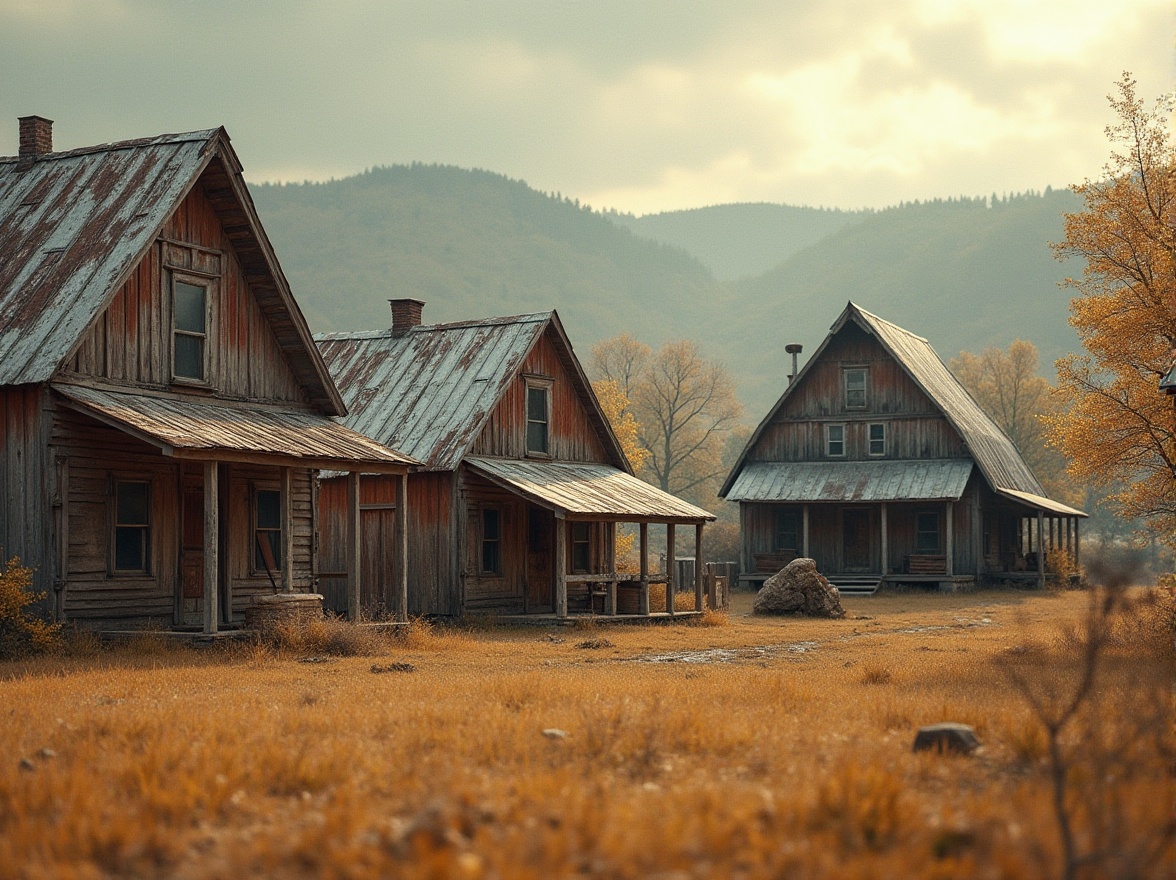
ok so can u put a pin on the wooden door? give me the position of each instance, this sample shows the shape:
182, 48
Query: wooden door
855, 535
377, 531
540, 571
192, 552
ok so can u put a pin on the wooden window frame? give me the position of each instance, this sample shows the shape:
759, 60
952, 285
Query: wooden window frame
112, 569
780, 515
209, 285
870, 441
484, 541
865, 389
255, 546
919, 514
585, 543
537, 383
829, 441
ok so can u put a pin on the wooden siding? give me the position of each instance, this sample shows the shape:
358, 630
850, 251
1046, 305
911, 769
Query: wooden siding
503, 591
29, 486
572, 435
131, 340
915, 428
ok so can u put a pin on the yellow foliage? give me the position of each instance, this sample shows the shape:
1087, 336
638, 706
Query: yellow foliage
616, 408
1116, 427
21, 632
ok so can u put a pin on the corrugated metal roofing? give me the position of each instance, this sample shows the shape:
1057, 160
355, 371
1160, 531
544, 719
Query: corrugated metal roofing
428, 391
196, 425
797, 481
71, 226
583, 489
1042, 502
994, 453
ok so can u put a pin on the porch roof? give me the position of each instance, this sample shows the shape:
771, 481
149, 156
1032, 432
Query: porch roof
1038, 502
584, 489
230, 430
856, 481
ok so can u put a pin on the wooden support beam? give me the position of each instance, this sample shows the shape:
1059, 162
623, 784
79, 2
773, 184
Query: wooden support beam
643, 598
561, 569
712, 586
885, 542
805, 533
1040, 552
698, 567
287, 529
353, 558
744, 537
211, 548
949, 543
400, 549
671, 581
1077, 524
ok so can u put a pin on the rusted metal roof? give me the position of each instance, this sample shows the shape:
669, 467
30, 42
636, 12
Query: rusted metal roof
200, 428
797, 481
993, 451
1040, 501
74, 224
429, 390
579, 489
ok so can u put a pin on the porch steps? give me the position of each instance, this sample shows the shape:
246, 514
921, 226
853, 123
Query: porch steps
851, 585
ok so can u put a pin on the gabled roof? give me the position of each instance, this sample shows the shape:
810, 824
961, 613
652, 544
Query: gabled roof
989, 446
932, 479
75, 224
428, 391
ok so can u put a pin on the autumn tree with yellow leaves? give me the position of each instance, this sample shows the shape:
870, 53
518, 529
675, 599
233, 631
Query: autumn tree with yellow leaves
1115, 426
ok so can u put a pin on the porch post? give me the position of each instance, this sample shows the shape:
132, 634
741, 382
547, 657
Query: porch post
670, 565
561, 569
287, 526
400, 547
698, 567
804, 542
949, 544
353, 558
610, 600
643, 597
211, 547
1077, 524
744, 555
1040, 552
885, 542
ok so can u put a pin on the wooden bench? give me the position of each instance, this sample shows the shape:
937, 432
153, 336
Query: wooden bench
770, 563
926, 563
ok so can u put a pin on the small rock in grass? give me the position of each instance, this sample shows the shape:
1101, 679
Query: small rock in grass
593, 644
27, 766
959, 739
555, 733
393, 667
46, 754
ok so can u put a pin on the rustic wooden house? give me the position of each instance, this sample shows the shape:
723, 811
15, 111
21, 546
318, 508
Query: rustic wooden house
163, 406
523, 481
879, 465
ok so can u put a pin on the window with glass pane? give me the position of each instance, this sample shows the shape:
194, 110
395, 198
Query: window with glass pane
491, 541
190, 330
132, 526
538, 418
267, 546
836, 444
877, 439
855, 388
581, 555
927, 533
787, 535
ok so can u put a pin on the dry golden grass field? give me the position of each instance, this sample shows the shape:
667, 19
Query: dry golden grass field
744, 748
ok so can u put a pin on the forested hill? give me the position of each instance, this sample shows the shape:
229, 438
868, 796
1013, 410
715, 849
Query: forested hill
963, 273
473, 244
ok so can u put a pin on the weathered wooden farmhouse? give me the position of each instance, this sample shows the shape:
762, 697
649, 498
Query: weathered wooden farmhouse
879, 465
523, 483
163, 406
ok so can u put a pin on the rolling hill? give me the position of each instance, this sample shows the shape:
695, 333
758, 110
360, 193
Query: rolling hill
965, 273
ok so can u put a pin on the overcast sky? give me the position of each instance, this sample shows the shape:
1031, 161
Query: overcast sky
639, 105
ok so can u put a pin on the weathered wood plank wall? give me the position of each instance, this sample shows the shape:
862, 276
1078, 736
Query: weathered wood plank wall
26, 486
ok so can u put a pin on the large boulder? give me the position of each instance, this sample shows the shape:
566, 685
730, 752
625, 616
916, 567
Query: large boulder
799, 588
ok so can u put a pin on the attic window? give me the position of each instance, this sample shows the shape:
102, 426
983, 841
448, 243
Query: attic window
190, 306
854, 380
538, 417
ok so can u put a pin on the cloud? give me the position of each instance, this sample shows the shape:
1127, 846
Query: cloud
641, 106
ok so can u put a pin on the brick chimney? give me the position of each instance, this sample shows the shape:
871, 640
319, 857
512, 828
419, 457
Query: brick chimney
36, 139
406, 314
